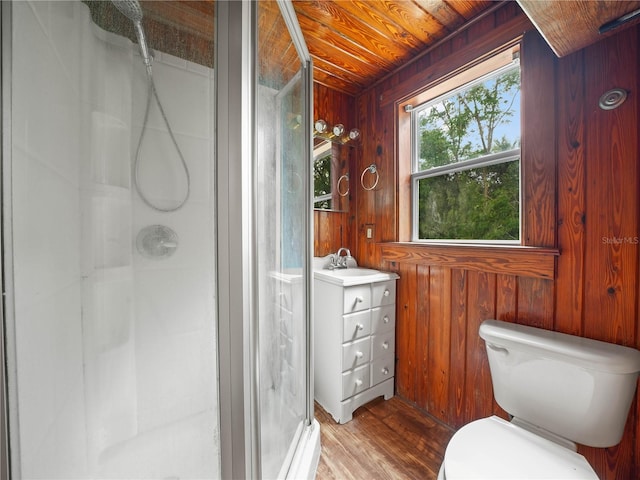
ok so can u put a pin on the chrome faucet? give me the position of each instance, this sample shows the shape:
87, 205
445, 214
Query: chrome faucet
338, 260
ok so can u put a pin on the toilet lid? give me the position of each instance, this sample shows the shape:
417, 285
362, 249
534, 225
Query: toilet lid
493, 449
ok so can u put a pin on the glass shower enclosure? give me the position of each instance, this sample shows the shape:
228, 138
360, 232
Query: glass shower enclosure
264, 242
155, 241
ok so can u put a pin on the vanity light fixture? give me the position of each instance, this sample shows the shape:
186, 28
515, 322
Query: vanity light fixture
337, 134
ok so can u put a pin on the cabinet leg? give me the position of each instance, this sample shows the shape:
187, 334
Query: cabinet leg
345, 418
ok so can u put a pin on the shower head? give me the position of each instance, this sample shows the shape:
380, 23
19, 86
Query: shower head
132, 10
129, 8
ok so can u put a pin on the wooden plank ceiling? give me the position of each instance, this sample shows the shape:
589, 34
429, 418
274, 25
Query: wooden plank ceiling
586, 21
356, 43
353, 43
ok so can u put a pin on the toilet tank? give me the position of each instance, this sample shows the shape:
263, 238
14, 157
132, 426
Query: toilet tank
574, 387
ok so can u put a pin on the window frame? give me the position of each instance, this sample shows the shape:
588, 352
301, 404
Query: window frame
445, 89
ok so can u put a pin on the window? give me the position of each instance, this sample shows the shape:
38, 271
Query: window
466, 160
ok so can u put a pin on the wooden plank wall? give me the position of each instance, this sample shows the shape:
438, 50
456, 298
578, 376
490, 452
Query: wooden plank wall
597, 289
586, 205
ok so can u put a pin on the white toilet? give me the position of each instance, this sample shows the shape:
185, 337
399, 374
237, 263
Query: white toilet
559, 389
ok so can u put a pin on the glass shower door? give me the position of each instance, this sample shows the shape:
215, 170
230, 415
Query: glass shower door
263, 79
283, 209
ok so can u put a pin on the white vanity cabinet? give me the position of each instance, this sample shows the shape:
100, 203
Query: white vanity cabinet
354, 340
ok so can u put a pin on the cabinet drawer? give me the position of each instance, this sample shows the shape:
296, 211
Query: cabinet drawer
382, 344
355, 381
356, 354
382, 369
356, 325
357, 298
384, 293
383, 319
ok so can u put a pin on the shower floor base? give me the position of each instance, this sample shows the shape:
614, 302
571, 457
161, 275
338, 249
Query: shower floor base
185, 449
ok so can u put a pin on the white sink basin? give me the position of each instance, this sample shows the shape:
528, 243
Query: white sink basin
352, 276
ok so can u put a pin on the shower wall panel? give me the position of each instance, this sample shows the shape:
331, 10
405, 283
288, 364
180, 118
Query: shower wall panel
46, 156
174, 306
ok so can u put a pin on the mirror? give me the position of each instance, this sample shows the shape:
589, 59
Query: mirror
330, 175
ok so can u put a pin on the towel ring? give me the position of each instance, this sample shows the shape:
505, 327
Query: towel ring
372, 169
343, 177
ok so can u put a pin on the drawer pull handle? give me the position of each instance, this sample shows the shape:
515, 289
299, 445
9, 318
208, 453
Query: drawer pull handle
358, 382
385, 345
359, 354
385, 371
386, 319
359, 299
360, 326
387, 293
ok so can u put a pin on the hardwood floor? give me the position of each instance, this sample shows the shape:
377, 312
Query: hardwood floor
385, 440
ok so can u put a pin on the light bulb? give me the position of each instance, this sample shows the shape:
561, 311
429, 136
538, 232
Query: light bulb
338, 130
320, 126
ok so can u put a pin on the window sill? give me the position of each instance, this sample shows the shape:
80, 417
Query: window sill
537, 262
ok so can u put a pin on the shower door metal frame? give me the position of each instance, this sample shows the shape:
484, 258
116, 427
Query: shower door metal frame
6, 248
233, 104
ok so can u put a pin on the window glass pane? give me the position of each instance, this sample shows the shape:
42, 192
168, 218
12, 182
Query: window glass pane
481, 118
476, 204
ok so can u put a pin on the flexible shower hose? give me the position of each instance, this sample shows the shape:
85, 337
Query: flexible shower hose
152, 93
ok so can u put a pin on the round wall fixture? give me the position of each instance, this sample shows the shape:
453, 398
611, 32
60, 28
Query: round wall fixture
157, 242
612, 99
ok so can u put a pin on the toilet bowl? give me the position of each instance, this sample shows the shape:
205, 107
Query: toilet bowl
560, 390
